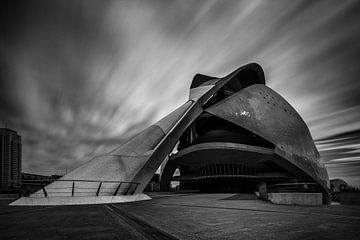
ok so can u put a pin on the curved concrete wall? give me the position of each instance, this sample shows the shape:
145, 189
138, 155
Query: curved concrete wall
261, 110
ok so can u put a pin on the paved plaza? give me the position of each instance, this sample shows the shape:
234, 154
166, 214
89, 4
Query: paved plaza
182, 216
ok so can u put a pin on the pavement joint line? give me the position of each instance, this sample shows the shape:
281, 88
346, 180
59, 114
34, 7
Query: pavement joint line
259, 210
141, 226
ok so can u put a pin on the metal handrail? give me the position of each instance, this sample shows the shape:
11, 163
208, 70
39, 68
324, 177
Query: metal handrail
109, 191
77, 180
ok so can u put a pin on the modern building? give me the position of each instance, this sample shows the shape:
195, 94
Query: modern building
231, 135
10, 158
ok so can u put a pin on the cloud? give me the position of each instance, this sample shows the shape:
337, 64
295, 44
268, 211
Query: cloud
80, 78
341, 155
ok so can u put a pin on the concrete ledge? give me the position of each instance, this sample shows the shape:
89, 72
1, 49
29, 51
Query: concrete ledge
296, 198
47, 201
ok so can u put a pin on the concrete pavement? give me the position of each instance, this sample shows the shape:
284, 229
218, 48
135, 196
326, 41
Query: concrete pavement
182, 216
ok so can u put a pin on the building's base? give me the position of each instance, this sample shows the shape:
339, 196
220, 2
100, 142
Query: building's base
296, 198
47, 201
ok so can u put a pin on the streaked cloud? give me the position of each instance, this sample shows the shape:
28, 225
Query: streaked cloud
80, 78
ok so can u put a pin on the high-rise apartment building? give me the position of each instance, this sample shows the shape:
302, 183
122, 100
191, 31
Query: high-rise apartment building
10, 158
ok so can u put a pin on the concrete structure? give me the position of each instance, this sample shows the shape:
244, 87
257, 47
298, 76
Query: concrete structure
10, 158
263, 194
296, 198
233, 132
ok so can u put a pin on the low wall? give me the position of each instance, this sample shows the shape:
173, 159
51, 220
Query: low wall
45, 201
351, 198
296, 198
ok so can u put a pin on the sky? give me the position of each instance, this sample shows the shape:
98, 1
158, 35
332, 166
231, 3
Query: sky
78, 78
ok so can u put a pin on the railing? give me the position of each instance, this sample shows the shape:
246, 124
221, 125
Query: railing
63, 187
294, 188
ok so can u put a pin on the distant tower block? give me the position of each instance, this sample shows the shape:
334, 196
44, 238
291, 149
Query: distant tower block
10, 158
232, 133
